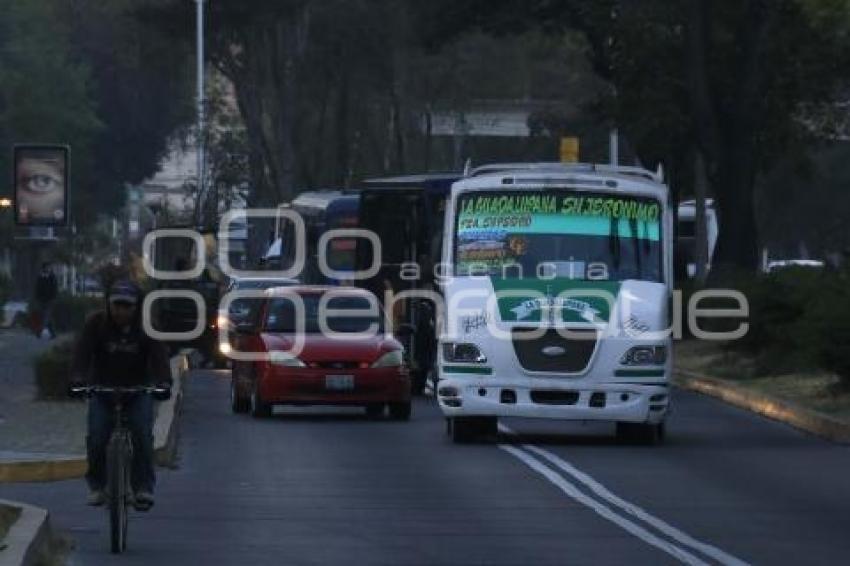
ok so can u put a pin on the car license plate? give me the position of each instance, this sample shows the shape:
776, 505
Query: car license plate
339, 382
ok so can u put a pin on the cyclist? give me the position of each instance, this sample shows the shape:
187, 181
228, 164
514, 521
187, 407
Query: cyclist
114, 350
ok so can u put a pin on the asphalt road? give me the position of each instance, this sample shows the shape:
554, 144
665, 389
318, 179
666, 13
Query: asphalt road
337, 488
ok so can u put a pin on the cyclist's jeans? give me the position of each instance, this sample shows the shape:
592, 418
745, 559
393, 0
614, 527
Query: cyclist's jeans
138, 410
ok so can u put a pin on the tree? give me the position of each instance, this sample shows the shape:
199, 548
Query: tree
141, 86
96, 76
44, 91
734, 79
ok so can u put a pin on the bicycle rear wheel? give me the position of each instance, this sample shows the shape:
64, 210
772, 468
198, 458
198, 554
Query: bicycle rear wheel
118, 459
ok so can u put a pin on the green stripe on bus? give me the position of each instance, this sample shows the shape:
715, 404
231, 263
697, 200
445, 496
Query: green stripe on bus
468, 369
639, 373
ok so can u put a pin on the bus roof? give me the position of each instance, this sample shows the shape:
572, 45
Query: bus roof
330, 201
436, 182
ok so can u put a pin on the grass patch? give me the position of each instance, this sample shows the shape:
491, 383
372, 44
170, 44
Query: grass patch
819, 391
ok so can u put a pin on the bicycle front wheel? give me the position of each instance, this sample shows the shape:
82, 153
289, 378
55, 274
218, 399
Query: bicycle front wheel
118, 493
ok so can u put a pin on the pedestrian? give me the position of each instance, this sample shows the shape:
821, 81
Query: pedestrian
46, 289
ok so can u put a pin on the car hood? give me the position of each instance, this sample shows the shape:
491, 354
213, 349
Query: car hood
319, 348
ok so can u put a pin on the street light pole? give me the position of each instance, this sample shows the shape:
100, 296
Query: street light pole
201, 109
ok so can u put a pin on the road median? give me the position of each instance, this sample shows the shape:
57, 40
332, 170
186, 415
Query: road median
28, 540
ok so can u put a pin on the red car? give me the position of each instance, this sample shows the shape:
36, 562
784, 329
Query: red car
352, 368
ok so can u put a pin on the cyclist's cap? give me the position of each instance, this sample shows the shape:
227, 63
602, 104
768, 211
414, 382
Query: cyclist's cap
124, 292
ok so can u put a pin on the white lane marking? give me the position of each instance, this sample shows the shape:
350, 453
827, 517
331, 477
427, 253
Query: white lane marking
630, 508
630, 526
637, 512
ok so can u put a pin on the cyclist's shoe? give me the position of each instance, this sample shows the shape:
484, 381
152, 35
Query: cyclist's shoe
96, 498
143, 501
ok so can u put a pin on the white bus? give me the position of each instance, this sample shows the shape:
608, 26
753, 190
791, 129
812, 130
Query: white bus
567, 317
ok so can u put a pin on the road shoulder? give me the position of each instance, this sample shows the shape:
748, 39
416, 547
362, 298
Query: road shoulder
797, 416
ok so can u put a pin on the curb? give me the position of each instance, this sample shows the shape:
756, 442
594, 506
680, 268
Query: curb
28, 539
62, 468
808, 420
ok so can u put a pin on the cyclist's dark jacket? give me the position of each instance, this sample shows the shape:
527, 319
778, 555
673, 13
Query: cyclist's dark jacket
105, 355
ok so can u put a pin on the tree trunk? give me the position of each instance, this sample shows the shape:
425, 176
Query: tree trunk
727, 139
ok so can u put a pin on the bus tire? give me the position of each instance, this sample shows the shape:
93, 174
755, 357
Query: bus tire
642, 434
465, 430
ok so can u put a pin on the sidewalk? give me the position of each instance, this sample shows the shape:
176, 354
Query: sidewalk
32, 429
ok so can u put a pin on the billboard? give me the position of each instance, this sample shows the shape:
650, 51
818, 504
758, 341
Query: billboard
41, 185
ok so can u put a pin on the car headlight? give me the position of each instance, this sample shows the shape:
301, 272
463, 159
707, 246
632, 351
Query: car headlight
393, 358
645, 356
463, 352
225, 348
285, 359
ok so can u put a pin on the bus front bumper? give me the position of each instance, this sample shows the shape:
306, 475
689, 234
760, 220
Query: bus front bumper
554, 399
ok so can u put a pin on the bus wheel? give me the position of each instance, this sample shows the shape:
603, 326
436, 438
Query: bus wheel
645, 434
465, 430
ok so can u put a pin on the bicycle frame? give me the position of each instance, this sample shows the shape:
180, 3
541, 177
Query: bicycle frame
119, 458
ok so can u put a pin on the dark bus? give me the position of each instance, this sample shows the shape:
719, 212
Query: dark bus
407, 215
321, 211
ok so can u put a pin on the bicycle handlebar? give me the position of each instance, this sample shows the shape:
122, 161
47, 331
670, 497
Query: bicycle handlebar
88, 389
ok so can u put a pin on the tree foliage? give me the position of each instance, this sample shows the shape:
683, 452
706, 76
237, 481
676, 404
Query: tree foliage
738, 81
96, 76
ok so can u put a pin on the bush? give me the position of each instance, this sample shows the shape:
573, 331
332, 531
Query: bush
799, 321
53, 371
830, 318
5, 289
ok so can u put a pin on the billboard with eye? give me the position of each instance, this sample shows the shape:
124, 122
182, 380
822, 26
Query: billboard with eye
41, 184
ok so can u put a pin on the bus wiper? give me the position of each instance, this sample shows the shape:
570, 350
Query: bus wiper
614, 242
633, 226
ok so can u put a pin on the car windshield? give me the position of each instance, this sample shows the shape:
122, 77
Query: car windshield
242, 307
558, 233
282, 314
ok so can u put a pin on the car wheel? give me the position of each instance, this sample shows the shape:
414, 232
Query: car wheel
375, 410
259, 408
644, 434
238, 404
400, 411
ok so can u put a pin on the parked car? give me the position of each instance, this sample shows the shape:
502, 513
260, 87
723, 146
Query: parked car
358, 366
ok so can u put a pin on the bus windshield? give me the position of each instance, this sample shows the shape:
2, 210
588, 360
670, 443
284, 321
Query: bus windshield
558, 233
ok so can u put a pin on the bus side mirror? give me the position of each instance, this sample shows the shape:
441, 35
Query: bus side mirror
404, 329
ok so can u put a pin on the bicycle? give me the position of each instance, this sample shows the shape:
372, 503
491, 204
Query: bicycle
119, 457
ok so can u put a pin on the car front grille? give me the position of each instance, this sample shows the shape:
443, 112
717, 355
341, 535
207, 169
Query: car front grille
335, 365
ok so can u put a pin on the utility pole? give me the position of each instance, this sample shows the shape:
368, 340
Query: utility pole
614, 147
700, 235
201, 110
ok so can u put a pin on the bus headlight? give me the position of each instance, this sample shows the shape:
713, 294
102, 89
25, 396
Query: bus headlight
463, 352
390, 359
645, 356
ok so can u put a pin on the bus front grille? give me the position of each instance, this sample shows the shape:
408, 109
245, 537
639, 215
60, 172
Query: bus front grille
554, 353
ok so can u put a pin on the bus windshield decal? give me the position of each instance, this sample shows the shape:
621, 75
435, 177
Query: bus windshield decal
617, 235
